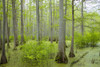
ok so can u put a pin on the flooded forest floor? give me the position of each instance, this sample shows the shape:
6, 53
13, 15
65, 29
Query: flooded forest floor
87, 57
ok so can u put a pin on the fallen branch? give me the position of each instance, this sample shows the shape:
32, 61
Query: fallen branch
76, 61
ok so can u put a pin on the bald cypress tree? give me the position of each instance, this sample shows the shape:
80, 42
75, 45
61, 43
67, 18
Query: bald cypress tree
0, 36
7, 27
0, 31
82, 26
3, 57
61, 56
14, 24
71, 54
51, 37
22, 25
38, 20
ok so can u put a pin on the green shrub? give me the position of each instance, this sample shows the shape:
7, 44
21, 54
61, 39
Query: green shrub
27, 38
81, 42
38, 52
45, 38
68, 37
68, 43
19, 37
11, 38
88, 40
94, 38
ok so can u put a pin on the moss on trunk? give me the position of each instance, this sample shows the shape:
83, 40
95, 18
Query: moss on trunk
3, 60
71, 54
61, 59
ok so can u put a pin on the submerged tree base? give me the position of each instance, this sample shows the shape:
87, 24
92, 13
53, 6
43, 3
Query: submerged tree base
15, 48
61, 59
71, 54
3, 60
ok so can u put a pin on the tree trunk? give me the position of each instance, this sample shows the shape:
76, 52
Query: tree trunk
38, 20
0, 36
65, 23
22, 25
56, 23
3, 57
53, 20
0, 31
14, 24
82, 26
30, 18
7, 27
61, 56
51, 37
41, 24
71, 54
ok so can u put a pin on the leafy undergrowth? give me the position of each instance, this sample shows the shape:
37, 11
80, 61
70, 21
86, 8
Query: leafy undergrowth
31, 54
89, 40
14, 57
38, 53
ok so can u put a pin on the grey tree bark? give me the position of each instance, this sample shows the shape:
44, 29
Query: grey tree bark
3, 56
51, 37
38, 20
61, 56
82, 26
65, 22
0, 30
71, 54
14, 24
41, 21
0, 36
53, 20
7, 26
30, 18
56, 22
22, 25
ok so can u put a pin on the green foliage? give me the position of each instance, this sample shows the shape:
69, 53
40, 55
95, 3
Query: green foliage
38, 52
68, 43
45, 38
11, 38
88, 40
27, 38
68, 37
